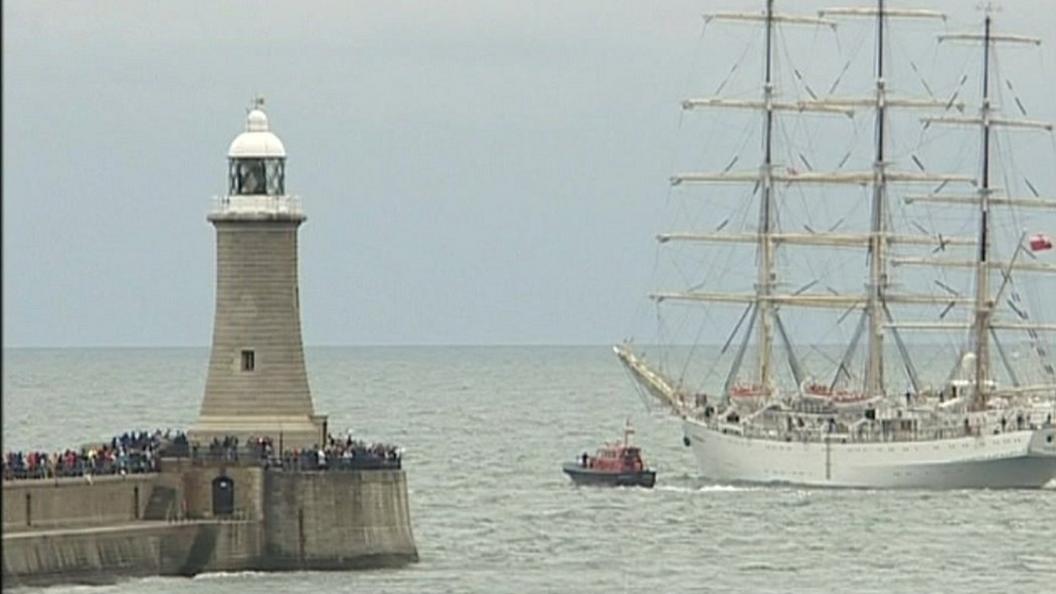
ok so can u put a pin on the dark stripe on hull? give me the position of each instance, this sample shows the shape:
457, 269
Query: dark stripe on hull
586, 476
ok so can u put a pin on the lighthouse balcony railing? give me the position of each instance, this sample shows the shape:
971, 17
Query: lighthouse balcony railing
284, 204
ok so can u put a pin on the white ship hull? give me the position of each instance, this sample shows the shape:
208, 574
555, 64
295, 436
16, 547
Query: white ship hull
1014, 459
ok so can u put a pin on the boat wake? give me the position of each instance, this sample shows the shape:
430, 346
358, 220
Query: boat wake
226, 575
707, 489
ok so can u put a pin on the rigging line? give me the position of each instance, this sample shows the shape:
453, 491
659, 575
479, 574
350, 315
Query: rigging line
693, 348
1015, 96
1005, 155
1052, 137
935, 48
737, 64
845, 361
637, 388
790, 353
824, 355
662, 335
907, 361
733, 334
781, 205
797, 75
1002, 153
739, 359
747, 133
1041, 339
710, 372
654, 275
708, 271
855, 51
1004, 358
836, 326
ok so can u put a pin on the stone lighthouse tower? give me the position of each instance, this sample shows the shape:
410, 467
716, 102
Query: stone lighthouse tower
257, 384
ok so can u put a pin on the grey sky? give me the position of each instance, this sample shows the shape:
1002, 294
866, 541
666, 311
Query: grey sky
473, 172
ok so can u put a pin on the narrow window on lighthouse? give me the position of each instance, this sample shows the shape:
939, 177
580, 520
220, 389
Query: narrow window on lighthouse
247, 361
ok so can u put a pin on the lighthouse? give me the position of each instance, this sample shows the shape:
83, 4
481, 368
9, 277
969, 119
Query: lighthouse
257, 384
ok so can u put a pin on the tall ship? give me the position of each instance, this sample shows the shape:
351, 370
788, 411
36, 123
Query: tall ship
875, 301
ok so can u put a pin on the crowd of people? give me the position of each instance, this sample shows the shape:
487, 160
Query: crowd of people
132, 452
344, 454
140, 451
338, 454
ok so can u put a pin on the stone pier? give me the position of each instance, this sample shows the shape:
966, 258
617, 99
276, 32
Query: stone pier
168, 523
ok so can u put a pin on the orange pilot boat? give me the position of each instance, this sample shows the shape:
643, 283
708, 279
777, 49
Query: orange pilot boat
617, 465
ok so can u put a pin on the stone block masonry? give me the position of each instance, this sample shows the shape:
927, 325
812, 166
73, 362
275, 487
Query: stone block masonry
337, 519
280, 519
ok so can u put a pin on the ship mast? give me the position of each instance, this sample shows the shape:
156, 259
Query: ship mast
765, 302
983, 325
767, 276
874, 371
983, 304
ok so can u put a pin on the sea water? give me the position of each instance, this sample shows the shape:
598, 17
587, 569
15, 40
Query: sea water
485, 430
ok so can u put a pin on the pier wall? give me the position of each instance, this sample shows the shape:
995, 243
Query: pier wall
193, 483
100, 532
72, 502
103, 555
338, 519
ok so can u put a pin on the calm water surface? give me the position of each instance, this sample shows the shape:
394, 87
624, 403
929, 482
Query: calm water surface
485, 430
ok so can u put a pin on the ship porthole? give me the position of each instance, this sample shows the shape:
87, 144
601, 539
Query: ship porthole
685, 440
1048, 438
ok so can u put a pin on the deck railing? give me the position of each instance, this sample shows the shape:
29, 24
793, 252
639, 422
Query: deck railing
873, 432
285, 204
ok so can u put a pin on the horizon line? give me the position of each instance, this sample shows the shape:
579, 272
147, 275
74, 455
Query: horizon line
410, 345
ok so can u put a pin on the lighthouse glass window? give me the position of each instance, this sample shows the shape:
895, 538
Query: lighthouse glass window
257, 177
274, 174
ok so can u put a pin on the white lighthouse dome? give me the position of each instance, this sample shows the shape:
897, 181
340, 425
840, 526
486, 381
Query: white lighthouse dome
257, 140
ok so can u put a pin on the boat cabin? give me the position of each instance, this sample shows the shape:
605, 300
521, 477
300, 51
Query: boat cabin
616, 458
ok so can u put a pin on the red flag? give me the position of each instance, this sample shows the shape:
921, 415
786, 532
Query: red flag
1040, 242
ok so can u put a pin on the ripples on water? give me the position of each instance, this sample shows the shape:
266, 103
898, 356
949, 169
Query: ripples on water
485, 431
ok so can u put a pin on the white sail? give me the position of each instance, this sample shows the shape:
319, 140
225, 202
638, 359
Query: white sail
753, 17
859, 178
979, 121
804, 300
974, 200
793, 106
887, 12
859, 240
992, 38
972, 264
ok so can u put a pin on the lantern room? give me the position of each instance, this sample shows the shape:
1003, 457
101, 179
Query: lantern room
256, 159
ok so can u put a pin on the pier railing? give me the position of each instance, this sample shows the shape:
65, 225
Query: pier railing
48, 469
290, 460
308, 460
